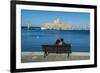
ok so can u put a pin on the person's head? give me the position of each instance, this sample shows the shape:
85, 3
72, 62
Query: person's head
57, 41
62, 39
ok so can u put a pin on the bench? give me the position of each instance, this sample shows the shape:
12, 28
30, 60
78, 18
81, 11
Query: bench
56, 49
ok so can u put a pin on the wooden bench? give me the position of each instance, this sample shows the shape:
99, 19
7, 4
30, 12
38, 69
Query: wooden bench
56, 49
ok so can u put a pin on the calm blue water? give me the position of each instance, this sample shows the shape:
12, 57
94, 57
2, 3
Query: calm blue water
33, 39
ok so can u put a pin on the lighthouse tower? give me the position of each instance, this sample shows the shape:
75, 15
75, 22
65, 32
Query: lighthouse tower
28, 26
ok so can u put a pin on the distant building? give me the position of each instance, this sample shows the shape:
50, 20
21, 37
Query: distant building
58, 25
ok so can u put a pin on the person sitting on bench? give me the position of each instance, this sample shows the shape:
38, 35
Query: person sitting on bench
60, 42
57, 42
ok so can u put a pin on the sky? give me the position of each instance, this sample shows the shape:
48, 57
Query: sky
37, 18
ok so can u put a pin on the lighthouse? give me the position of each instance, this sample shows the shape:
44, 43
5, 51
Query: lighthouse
28, 26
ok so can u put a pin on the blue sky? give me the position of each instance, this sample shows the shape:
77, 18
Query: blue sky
39, 18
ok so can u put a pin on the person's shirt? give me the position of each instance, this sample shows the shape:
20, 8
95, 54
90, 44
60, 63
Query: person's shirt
60, 43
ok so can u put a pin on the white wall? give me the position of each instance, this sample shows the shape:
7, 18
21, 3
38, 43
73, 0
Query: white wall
5, 36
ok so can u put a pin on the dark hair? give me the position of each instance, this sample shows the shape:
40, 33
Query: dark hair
57, 41
62, 39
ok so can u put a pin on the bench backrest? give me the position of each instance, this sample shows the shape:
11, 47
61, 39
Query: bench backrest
57, 49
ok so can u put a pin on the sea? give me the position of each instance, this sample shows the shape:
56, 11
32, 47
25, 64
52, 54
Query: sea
32, 40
